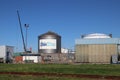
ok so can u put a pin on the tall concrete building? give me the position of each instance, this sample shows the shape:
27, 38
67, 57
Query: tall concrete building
97, 48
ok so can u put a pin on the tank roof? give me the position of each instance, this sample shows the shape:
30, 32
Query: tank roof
96, 35
50, 33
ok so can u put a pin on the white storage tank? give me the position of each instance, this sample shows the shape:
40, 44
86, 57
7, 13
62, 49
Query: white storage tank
6, 54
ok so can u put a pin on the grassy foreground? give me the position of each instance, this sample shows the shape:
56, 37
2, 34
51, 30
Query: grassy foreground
93, 69
15, 77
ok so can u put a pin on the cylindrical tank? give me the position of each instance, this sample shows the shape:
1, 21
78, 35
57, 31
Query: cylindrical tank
49, 42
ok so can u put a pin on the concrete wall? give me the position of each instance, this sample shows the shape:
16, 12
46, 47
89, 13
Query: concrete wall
57, 58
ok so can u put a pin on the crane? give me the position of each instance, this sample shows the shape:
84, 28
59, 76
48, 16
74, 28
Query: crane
21, 32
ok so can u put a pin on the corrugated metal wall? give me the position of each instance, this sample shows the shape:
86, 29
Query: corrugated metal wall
95, 53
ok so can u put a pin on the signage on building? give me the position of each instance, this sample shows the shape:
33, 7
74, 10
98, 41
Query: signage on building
47, 44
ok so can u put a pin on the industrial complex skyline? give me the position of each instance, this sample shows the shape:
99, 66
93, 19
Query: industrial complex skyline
68, 18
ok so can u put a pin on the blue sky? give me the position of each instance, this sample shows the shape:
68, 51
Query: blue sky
68, 18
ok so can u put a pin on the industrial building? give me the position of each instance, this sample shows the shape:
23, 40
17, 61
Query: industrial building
49, 47
6, 54
49, 51
21, 57
97, 48
31, 58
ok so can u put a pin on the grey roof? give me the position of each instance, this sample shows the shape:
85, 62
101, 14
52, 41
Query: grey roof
98, 41
30, 54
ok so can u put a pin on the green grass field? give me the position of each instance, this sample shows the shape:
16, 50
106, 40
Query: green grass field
99, 69
92, 69
14, 77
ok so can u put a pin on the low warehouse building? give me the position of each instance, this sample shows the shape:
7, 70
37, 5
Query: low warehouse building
6, 54
31, 58
97, 48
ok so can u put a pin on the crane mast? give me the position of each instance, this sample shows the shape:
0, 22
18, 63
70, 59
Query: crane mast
21, 32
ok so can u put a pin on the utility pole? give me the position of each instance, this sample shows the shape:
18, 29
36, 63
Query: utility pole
26, 26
